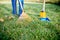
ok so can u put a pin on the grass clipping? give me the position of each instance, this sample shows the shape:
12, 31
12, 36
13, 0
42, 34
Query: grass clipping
24, 18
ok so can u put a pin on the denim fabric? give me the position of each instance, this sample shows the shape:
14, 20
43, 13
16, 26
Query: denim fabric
14, 7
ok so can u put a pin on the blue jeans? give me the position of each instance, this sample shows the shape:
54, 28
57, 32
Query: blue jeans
14, 8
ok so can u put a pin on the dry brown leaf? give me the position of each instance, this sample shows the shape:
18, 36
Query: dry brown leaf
1, 20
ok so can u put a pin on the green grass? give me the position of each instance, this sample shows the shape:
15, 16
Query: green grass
34, 30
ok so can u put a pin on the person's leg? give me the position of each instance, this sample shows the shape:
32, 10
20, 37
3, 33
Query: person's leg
20, 9
14, 6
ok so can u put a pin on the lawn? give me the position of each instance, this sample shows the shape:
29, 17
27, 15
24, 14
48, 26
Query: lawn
34, 30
